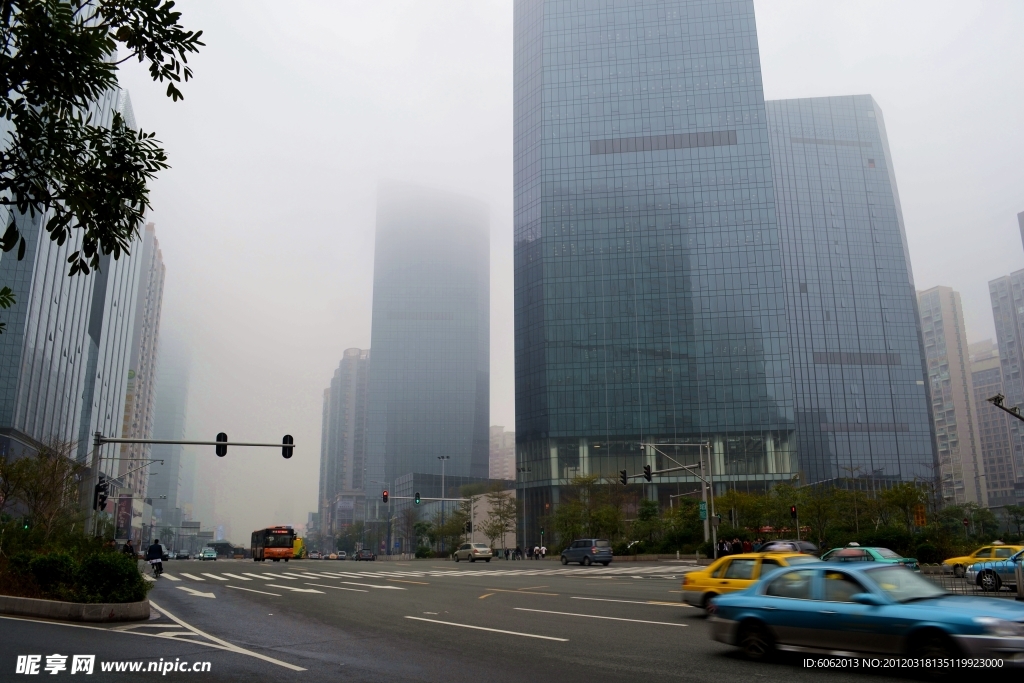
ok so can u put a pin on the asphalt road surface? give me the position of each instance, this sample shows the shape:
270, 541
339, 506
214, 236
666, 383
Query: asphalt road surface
426, 620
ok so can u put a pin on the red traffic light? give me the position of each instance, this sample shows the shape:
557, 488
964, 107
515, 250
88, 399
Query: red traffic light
384, 496
792, 511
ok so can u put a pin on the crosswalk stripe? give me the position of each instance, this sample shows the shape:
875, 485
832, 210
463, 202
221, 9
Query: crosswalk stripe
236, 576
214, 576
172, 578
192, 576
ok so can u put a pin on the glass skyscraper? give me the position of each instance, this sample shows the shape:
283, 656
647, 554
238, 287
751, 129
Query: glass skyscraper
1007, 296
862, 405
429, 379
649, 295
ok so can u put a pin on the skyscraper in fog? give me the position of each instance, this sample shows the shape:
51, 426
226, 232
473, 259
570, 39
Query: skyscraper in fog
169, 417
854, 331
343, 443
429, 378
961, 469
993, 424
649, 300
1007, 296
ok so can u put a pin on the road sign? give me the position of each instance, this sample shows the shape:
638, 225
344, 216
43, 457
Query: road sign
703, 510
716, 520
966, 521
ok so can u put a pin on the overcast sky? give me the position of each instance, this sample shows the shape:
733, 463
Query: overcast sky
266, 218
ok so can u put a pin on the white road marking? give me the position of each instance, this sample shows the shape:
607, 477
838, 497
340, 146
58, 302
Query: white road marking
193, 591
192, 576
595, 616
492, 630
239, 588
277, 576
236, 576
339, 588
170, 576
294, 590
370, 585
149, 578
225, 645
255, 576
214, 576
636, 602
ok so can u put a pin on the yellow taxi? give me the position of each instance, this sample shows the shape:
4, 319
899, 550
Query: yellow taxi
734, 573
996, 551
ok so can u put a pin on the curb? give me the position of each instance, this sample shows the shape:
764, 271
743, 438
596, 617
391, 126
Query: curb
74, 611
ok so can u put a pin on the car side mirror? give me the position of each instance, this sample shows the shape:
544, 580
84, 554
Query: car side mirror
866, 599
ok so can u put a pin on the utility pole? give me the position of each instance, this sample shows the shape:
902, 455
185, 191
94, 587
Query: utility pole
444, 494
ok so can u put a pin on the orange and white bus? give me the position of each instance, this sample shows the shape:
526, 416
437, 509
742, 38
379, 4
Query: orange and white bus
274, 543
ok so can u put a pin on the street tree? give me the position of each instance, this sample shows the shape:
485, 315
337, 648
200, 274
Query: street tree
1015, 515
89, 181
905, 498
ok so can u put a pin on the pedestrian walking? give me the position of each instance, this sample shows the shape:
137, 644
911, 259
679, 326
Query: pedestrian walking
747, 548
536, 552
543, 551
129, 549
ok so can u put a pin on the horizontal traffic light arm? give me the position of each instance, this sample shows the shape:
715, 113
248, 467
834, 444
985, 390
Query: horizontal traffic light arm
390, 497
688, 468
104, 439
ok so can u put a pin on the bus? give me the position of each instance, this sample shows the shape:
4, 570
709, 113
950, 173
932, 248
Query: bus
276, 543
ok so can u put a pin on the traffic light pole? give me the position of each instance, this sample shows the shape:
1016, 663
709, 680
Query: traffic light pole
98, 440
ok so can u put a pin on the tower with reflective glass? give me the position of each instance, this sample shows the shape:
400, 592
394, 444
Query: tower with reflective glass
429, 378
649, 299
862, 402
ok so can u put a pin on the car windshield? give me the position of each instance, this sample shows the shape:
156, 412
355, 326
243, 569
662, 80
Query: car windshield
888, 554
801, 559
602, 544
903, 585
479, 545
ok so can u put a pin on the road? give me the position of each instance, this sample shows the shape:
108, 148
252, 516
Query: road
426, 620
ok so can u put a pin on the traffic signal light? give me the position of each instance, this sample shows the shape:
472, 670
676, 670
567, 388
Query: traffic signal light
647, 472
623, 477
542, 533
416, 498
384, 495
469, 527
26, 523
99, 500
222, 450
286, 449
792, 511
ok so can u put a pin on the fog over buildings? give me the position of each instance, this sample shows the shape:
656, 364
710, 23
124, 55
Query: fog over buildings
267, 216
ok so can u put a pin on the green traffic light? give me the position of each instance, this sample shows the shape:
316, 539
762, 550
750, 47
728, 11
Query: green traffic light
417, 499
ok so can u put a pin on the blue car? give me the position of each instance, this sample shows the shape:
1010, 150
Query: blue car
994, 574
859, 608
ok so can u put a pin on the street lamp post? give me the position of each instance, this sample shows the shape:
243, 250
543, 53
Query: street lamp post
444, 494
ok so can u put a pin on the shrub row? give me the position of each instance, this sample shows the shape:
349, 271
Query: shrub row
92, 578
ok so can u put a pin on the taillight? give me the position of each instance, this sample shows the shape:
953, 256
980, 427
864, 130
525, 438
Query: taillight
594, 550
686, 579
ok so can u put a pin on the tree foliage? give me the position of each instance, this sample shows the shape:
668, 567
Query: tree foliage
90, 180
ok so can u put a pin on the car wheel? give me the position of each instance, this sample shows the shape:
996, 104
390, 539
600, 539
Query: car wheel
705, 602
933, 645
586, 562
472, 560
565, 560
286, 559
456, 557
606, 563
989, 581
488, 560
755, 642
958, 571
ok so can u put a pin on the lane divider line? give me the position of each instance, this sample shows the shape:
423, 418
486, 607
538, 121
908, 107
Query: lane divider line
239, 588
418, 583
485, 595
492, 630
595, 616
661, 603
506, 590
338, 588
370, 585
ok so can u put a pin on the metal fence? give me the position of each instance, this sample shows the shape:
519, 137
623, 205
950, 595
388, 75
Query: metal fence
958, 586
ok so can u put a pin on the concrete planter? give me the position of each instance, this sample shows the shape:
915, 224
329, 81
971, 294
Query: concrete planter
74, 611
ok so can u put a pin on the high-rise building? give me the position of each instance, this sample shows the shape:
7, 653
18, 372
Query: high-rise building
343, 443
64, 357
1020, 224
430, 375
502, 460
1007, 296
141, 381
649, 299
170, 413
854, 332
993, 424
957, 434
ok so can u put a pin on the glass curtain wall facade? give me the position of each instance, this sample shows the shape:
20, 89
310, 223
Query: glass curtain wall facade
65, 354
343, 443
170, 413
649, 302
429, 387
862, 404
1007, 296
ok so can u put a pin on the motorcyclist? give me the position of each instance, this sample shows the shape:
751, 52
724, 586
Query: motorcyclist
155, 555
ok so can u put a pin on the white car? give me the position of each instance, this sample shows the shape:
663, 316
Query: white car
342, 555
208, 554
473, 552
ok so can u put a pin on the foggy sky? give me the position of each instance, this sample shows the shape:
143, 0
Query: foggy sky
266, 217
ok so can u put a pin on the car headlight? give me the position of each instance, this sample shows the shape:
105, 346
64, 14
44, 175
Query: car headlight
1000, 627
